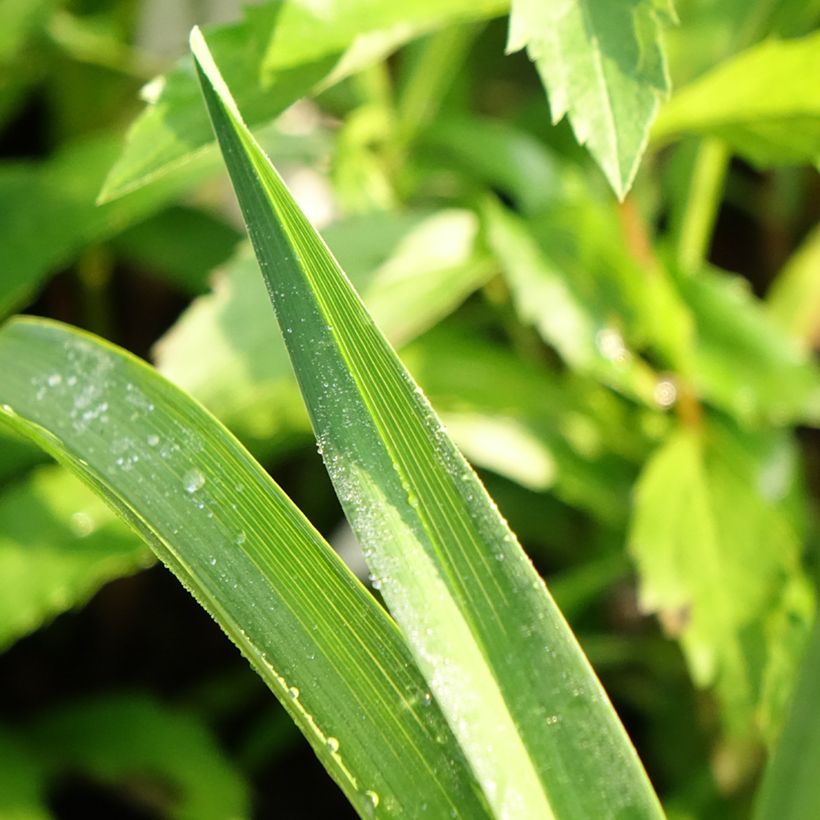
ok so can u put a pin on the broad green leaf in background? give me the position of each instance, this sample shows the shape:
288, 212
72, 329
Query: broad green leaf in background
59, 543
279, 53
602, 64
315, 636
742, 361
49, 214
22, 781
180, 243
794, 299
168, 758
528, 712
790, 788
765, 103
412, 268
719, 560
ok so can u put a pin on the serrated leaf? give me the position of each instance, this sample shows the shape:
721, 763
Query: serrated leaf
603, 65
278, 54
59, 543
719, 560
512, 681
320, 642
765, 103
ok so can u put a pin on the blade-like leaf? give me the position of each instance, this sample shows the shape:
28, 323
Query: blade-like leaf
527, 709
602, 64
317, 638
279, 53
790, 788
765, 103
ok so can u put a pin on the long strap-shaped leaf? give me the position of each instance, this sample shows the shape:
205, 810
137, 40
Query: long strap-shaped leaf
314, 634
519, 694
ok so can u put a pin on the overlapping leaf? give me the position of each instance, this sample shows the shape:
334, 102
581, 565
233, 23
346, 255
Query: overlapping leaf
316, 637
518, 693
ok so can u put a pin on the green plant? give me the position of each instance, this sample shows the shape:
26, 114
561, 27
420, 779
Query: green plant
602, 359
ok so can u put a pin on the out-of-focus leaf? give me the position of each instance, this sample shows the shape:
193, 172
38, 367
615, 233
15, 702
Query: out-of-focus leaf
719, 561
322, 644
502, 156
411, 268
765, 103
49, 213
18, 19
790, 788
794, 300
447, 565
17, 454
577, 314
59, 543
279, 53
180, 243
166, 758
742, 361
22, 781
602, 63
537, 427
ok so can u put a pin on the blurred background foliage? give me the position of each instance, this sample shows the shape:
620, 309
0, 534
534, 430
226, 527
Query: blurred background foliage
635, 379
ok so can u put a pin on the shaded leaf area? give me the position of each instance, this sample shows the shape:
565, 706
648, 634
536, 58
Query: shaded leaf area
412, 268
161, 759
315, 636
765, 103
790, 789
182, 244
22, 780
50, 215
718, 554
278, 54
447, 565
602, 64
59, 543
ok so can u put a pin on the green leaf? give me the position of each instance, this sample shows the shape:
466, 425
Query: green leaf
510, 677
790, 788
50, 215
22, 781
316, 637
59, 543
576, 314
168, 757
278, 54
412, 269
719, 560
742, 361
765, 103
794, 299
182, 244
555, 434
602, 64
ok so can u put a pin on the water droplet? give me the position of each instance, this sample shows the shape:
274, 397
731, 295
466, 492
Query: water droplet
82, 524
240, 538
193, 480
665, 392
153, 440
427, 699
212, 562
372, 797
294, 693
333, 744
54, 379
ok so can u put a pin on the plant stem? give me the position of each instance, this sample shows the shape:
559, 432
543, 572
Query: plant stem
702, 201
